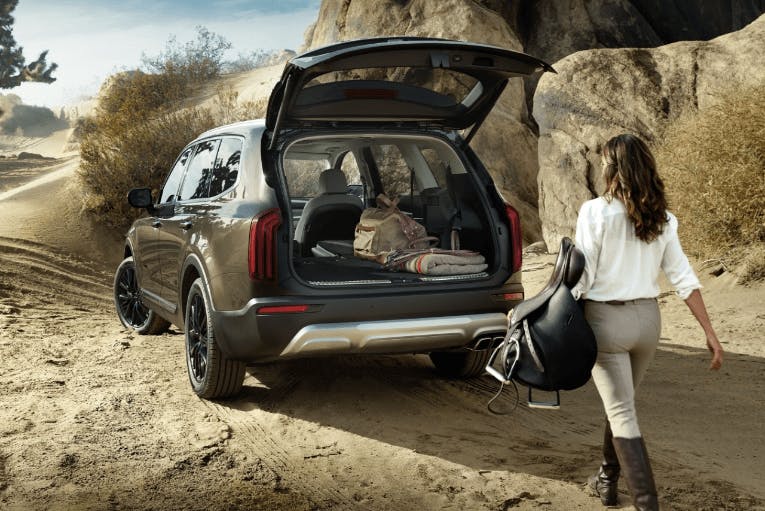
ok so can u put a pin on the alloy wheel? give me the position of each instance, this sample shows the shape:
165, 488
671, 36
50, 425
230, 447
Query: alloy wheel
131, 308
197, 338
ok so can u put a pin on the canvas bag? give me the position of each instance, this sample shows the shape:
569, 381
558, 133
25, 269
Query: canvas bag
383, 229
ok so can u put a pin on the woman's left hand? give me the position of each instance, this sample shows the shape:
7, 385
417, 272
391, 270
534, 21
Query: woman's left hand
717, 352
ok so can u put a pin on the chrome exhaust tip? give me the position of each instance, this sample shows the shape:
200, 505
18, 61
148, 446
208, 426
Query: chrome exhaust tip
486, 342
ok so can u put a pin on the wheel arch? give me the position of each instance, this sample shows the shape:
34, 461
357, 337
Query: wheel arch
192, 270
128, 251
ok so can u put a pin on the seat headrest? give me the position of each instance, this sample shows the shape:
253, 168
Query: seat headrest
332, 181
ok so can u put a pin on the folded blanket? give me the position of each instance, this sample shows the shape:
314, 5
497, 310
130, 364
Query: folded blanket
438, 262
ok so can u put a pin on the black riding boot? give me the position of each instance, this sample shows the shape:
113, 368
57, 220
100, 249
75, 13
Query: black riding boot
604, 483
633, 458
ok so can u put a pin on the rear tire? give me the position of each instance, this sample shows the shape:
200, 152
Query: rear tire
133, 313
211, 374
460, 364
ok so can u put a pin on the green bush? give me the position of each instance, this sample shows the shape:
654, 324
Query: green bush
713, 164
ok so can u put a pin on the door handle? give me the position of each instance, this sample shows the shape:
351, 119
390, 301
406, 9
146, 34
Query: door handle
156, 224
186, 225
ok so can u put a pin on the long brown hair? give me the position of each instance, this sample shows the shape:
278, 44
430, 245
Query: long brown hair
630, 174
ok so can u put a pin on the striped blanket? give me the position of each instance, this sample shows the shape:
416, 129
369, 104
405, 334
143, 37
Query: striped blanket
436, 261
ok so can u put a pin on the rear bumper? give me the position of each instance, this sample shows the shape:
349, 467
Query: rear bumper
393, 336
362, 325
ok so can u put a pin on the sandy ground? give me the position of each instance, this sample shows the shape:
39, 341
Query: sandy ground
94, 417
53, 145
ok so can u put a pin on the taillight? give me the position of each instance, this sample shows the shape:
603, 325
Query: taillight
262, 250
516, 240
282, 309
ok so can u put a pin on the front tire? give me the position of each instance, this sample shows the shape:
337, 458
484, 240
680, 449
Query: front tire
133, 313
211, 374
460, 364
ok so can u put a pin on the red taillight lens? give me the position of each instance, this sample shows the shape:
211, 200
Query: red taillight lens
282, 309
262, 250
516, 239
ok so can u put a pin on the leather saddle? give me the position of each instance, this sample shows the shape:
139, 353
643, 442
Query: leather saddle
568, 269
549, 345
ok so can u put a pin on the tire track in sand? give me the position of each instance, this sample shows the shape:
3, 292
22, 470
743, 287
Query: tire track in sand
289, 466
38, 281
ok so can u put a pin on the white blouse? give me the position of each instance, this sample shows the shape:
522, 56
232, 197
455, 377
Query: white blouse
618, 264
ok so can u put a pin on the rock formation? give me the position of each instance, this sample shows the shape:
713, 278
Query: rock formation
600, 93
548, 29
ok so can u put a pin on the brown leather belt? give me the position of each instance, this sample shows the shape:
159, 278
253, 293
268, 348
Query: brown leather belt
622, 302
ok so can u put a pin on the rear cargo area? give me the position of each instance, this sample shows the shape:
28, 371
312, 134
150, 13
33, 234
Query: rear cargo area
334, 184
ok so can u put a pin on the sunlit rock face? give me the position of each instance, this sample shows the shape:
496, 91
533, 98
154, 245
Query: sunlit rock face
600, 93
548, 29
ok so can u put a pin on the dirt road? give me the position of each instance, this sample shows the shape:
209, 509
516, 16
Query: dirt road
93, 417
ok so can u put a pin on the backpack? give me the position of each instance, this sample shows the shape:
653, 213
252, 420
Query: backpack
549, 345
386, 228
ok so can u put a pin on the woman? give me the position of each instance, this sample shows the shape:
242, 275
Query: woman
627, 236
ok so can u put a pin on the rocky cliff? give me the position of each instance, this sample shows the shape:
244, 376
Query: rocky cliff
600, 93
548, 29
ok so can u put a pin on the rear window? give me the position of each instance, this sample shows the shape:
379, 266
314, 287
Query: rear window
444, 86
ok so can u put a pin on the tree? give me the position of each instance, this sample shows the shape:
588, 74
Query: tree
13, 68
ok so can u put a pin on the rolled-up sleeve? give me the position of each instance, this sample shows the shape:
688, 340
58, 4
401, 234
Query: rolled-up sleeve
589, 236
676, 266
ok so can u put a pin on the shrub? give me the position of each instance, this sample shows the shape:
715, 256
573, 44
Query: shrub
197, 60
140, 127
229, 109
713, 164
134, 96
141, 156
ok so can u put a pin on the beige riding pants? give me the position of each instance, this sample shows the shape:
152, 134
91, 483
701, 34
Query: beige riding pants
627, 336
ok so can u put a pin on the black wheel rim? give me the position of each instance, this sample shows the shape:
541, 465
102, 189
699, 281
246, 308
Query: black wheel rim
129, 304
197, 337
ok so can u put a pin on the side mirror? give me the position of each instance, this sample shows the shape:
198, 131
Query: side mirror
140, 198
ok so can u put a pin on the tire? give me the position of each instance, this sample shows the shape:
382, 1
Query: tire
212, 375
132, 312
460, 364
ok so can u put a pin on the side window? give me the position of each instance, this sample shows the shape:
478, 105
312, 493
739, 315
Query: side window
174, 179
226, 166
438, 167
196, 184
350, 168
394, 172
303, 176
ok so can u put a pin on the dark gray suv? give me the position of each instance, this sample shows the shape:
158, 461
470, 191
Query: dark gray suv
248, 248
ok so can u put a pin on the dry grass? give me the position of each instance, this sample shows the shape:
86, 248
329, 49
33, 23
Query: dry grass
713, 164
139, 129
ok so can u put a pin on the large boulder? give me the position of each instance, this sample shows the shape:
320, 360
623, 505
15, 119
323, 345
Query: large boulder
600, 93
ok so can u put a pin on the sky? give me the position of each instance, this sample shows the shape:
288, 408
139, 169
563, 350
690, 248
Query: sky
91, 39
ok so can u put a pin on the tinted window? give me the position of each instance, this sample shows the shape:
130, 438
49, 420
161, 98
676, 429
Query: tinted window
226, 166
394, 172
303, 176
350, 168
196, 184
174, 179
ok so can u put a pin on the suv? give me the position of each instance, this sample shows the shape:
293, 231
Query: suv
249, 246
